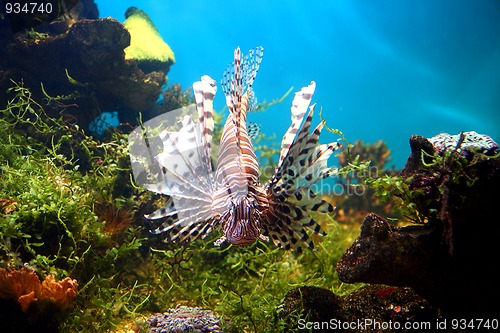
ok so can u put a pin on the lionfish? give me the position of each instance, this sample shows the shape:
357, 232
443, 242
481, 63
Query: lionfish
232, 198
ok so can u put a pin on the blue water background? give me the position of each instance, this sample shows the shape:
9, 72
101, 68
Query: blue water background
384, 69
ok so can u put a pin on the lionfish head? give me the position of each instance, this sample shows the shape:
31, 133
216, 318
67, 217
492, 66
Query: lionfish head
241, 224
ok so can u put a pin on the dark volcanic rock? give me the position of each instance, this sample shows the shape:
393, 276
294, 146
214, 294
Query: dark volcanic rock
384, 254
316, 303
84, 70
452, 259
418, 144
360, 311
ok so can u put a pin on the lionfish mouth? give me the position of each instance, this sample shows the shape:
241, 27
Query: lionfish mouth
175, 160
241, 224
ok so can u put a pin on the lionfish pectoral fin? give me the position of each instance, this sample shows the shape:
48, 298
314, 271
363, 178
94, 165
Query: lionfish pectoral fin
220, 241
264, 238
187, 173
302, 163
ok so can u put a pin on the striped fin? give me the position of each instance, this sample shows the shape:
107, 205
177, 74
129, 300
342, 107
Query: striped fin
237, 82
253, 130
204, 92
299, 107
303, 162
286, 226
187, 173
252, 100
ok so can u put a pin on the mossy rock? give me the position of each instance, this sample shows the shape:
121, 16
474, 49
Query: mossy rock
146, 45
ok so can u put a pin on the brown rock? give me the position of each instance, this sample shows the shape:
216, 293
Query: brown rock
451, 259
86, 67
368, 309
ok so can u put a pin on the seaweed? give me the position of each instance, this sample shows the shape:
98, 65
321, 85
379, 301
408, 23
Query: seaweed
68, 208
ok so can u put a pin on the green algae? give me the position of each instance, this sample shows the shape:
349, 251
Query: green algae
75, 212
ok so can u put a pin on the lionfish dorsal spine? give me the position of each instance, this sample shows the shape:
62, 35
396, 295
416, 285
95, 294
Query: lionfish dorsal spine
302, 163
298, 110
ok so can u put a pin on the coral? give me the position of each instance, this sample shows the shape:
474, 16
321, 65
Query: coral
59, 293
466, 143
24, 286
185, 319
146, 44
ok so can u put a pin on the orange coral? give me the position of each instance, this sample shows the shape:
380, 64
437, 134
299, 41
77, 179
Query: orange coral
116, 219
24, 286
7, 206
60, 293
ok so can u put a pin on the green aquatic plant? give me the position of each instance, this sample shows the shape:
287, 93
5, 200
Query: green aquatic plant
388, 190
69, 209
264, 105
32, 34
52, 177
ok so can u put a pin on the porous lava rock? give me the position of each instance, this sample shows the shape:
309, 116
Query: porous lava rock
81, 72
368, 309
451, 260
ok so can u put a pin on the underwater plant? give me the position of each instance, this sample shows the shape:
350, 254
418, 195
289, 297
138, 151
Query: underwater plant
360, 162
52, 176
69, 209
232, 198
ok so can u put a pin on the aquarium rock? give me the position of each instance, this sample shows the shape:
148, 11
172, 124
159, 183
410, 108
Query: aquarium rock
185, 319
147, 47
465, 143
47, 16
325, 311
450, 259
81, 72
384, 254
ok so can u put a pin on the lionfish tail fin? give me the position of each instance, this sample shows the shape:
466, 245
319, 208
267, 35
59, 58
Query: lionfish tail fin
236, 84
237, 168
